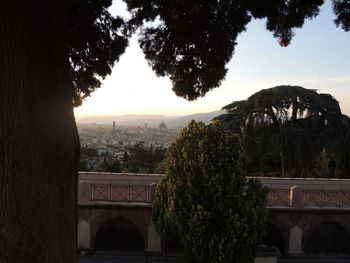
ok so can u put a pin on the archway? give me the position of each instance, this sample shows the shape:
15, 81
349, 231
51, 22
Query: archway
328, 238
119, 234
273, 237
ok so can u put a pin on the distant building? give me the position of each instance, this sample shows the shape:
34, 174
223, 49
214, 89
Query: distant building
113, 125
146, 128
162, 127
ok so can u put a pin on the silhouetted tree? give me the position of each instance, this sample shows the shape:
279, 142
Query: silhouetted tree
158, 155
293, 130
126, 157
143, 160
88, 152
83, 165
52, 55
109, 165
192, 41
205, 199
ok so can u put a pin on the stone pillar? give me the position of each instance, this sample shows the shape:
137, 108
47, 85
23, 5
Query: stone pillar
295, 241
295, 197
152, 192
84, 191
154, 242
84, 238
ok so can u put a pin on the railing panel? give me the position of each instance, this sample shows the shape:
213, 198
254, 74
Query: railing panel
331, 198
312, 198
345, 198
120, 193
100, 192
139, 194
326, 198
278, 197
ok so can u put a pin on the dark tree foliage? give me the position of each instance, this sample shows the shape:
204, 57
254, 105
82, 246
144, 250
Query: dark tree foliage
88, 152
342, 10
83, 165
143, 160
192, 41
97, 39
292, 131
109, 165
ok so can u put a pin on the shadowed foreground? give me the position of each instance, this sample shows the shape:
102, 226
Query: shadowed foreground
127, 259
145, 259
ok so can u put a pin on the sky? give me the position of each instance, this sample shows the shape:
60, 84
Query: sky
317, 58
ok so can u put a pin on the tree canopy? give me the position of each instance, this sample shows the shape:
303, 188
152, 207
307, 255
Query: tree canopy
192, 41
189, 41
205, 199
293, 131
143, 160
96, 41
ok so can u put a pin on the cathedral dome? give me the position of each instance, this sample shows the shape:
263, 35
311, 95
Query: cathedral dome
162, 126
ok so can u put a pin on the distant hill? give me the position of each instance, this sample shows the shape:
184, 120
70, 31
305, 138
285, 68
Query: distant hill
127, 119
152, 120
183, 121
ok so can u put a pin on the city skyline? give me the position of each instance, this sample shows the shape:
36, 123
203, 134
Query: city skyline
317, 58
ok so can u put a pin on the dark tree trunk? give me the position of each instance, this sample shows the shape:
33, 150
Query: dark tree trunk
273, 118
282, 164
38, 137
294, 110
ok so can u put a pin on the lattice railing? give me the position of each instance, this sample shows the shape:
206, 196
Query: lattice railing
278, 197
120, 193
326, 198
130, 192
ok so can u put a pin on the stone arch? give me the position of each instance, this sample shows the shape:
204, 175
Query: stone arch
329, 237
274, 237
139, 218
119, 234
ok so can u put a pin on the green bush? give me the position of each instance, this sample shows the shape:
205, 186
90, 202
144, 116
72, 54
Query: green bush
205, 199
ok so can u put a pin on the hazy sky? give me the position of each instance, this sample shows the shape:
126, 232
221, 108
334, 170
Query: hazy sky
318, 58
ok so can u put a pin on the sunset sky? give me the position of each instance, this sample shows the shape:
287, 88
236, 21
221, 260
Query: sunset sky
318, 58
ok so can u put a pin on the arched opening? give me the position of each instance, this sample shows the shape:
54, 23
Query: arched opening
273, 238
119, 234
328, 238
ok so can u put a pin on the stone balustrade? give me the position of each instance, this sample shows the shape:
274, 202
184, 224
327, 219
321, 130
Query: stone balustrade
307, 193
284, 193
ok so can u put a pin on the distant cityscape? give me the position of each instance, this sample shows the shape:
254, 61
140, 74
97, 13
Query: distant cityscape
108, 142
115, 141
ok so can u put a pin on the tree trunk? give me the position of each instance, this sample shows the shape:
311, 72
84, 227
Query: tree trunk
294, 110
273, 118
282, 164
39, 145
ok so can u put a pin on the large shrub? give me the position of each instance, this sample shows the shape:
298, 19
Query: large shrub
205, 199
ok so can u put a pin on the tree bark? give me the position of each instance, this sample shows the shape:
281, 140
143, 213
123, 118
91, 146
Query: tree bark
39, 145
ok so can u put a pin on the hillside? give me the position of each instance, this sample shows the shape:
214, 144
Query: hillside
152, 120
